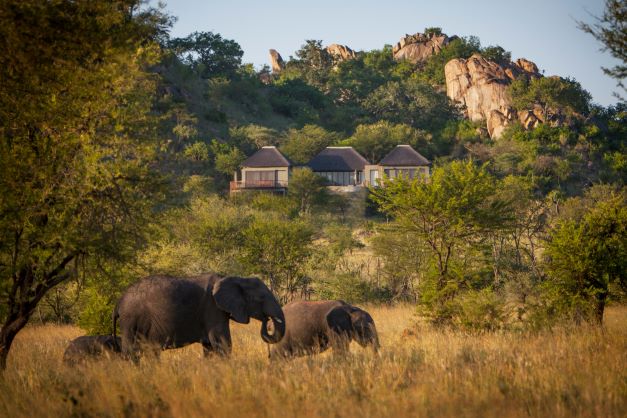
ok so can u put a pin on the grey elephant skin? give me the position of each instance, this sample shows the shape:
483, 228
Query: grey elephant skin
91, 347
313, 327
163, 312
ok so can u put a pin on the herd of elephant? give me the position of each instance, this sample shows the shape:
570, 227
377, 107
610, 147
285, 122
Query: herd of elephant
163, 312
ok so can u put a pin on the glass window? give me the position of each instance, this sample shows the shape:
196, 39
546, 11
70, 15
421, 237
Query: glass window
341, 178
391, 173
374, 175
261, 176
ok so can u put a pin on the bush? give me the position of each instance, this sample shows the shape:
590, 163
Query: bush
351, 288
95, 317
480, 310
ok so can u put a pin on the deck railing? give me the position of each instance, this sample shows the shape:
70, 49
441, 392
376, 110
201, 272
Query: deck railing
258, 184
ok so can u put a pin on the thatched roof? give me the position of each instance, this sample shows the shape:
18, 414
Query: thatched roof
267, 157
404, 156
338, 159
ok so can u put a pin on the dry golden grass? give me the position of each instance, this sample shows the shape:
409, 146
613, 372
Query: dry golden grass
562, 373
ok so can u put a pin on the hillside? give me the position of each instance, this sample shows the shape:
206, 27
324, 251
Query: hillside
449, 96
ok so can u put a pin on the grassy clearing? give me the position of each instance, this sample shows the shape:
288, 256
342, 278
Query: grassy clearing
563, 373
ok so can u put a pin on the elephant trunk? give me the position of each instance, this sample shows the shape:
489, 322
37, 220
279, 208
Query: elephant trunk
278, 329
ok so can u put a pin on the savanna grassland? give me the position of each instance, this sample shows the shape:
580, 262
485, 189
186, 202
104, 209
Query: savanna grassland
420, 371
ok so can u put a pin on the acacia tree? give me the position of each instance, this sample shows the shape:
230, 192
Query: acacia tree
278, 250
587, 256
76, 143
208, 53
307, 189
455, 209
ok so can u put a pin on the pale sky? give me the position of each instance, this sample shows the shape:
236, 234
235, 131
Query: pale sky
544, 31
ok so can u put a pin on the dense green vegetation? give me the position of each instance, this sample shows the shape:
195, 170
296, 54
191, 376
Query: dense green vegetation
118, 143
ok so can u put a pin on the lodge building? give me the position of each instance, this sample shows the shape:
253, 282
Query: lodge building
343, 168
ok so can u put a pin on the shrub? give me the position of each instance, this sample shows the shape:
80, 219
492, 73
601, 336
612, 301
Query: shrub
351, 288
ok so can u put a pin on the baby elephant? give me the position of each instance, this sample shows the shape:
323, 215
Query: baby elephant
89, 346
313, 327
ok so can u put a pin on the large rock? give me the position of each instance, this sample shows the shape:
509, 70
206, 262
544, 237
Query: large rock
419, 47
481, 87
340, 52
277, 61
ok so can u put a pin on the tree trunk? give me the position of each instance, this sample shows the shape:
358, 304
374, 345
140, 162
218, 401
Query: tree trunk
7, 334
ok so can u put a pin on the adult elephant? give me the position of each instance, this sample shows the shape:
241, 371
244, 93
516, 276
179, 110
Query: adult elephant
162, 312
313, 327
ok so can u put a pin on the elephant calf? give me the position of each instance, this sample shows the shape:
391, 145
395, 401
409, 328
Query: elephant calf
313, 327
88, 346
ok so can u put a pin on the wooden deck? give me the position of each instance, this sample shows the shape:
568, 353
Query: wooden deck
269, 185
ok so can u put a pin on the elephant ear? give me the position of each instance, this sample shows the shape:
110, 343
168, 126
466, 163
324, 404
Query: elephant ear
362, 321
229, 297
339, 320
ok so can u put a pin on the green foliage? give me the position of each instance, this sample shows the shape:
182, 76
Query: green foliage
301, 145
432, 71
375, 141
250, 138
587, 253
412, 102
184, 131
450, 216
341, 239
199, 186
307, 189
95, 318
313, 61
280, 205
198, 151
77, 143
61, 303
480, 310
350, 288
298, 100
552, 94
278, 250
229, 162
353, 80
205, 236
403, 259
497, 54
208, 54
432, 31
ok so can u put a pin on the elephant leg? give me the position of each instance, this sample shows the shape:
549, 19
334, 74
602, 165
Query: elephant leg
130, 346
219, 342
211, 349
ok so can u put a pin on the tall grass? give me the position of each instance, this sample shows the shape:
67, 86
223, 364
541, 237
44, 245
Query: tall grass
562, 373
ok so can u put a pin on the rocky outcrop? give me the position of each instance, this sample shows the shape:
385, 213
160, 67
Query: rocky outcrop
340, 52
418, 47
276, 61
481, 87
